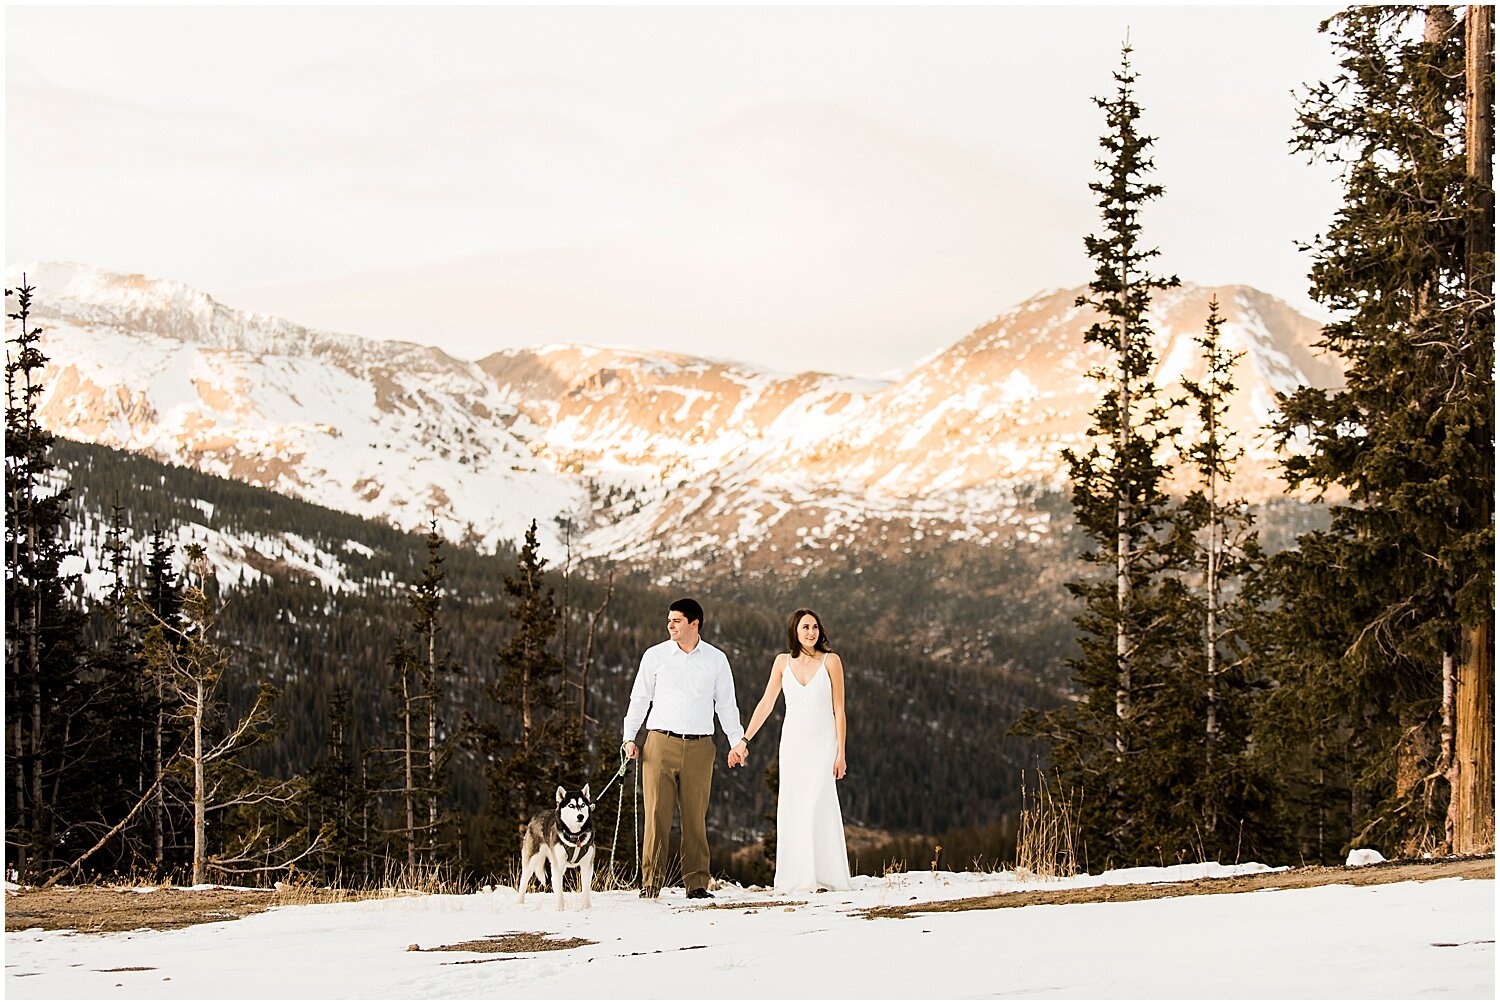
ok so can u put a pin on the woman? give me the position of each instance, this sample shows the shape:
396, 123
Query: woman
810, 851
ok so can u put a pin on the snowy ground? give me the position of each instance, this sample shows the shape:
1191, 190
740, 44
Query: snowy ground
1401, 940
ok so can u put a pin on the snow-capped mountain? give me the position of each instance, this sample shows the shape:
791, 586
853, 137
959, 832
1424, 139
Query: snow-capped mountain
648, 454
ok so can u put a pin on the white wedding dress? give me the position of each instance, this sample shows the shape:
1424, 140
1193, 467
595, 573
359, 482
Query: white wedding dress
809, 825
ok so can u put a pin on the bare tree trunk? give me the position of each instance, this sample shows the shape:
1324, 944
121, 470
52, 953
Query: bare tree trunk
1122, 534
432, 696
39, 814
18, 762
1450, 696
103, 840
1471, 772
407, 793
566, 610
200, 791
1212, 644
159, 810
1471, 805
588, 656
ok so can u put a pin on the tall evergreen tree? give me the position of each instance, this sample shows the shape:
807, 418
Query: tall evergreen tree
1389, 614
1103, 745
46, 703
537, 745
1218, 683
161, 603
128, 712
339, 803
423, 744
435, 667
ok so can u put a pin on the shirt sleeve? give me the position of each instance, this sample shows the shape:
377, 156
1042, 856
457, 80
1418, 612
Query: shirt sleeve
641, 694
725, 705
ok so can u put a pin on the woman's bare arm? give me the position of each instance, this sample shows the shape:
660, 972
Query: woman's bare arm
840, 725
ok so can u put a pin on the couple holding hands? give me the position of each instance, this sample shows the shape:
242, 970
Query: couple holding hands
683, 683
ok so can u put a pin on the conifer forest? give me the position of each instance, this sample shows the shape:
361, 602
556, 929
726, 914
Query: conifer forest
1198, 678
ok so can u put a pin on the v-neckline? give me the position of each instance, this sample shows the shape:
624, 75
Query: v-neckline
800, 683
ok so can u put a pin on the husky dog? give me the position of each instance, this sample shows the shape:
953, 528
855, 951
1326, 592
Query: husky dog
564, 838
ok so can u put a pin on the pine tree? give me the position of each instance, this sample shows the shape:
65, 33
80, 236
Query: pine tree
128, 711
420, 748
1218, 682
46, 702
1389, 614
339, 802
161, 603
435, 667
1107, 745
537, 745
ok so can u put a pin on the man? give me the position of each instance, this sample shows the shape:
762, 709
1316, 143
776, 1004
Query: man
683, 682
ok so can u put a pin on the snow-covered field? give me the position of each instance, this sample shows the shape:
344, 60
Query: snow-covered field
1401, 940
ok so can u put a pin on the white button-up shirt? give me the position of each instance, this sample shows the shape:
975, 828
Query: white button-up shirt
684, 691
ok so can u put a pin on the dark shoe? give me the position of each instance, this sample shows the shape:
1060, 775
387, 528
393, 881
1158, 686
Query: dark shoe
699, 894
649, 894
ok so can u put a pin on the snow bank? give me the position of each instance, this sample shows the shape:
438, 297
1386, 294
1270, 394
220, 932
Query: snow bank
1426, 940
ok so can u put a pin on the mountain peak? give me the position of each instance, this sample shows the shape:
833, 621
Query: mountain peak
648, 453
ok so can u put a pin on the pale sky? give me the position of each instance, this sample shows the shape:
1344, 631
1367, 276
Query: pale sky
834, 188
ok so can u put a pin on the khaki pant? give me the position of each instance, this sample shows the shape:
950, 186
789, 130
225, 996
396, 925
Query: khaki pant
676, 772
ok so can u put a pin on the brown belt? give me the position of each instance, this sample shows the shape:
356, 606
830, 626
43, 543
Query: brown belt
683, 736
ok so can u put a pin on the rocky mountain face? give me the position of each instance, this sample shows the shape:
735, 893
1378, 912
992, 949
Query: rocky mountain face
647, 455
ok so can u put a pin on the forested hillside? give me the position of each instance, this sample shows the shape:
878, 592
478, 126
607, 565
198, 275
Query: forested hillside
944, 650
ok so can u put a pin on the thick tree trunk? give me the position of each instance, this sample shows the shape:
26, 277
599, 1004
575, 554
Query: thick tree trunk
1471, 806
1471, 772
1479, 42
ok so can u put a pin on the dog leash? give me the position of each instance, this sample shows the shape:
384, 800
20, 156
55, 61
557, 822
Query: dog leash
620, 812
624, 766
635, 806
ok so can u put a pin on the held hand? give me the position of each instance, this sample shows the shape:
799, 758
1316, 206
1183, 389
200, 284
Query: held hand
738, 754
839, 767
631, 750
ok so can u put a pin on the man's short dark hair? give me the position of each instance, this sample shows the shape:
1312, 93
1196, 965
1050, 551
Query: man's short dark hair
689, 608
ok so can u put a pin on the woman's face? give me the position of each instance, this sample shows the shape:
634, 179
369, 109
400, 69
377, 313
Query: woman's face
808, 631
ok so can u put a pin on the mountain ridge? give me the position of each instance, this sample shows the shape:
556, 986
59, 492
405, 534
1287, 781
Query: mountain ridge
642, 455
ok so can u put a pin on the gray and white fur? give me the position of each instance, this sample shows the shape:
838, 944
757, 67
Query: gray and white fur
562, 837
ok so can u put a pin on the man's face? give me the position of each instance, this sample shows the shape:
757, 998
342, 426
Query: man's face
680, 628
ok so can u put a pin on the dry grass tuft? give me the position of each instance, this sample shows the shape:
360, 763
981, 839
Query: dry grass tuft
1047, 836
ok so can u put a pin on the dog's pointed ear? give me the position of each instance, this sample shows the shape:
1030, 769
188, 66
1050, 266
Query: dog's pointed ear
586, 795
561, 793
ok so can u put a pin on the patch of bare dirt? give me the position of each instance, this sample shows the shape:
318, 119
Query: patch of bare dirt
106, 909
511, 942
745, 905
1291, 879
